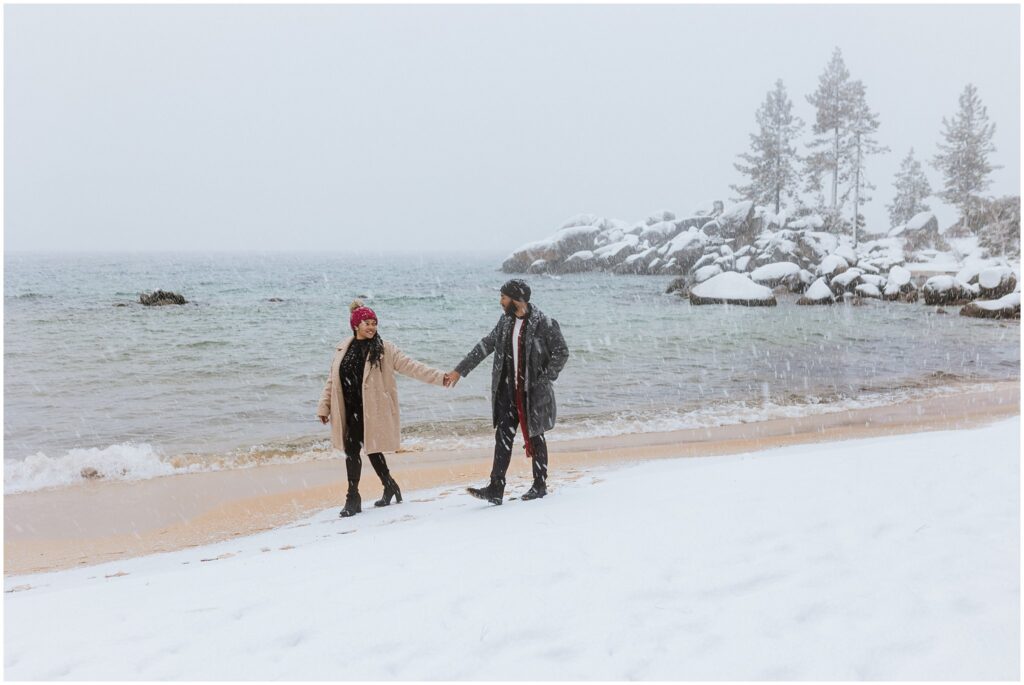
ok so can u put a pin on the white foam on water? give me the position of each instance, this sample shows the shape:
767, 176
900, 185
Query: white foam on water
140, 461
124, 461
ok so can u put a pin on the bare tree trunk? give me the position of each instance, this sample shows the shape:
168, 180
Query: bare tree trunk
835, 171
856, 193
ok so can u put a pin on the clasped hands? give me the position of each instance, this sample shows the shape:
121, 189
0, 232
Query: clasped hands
451, 378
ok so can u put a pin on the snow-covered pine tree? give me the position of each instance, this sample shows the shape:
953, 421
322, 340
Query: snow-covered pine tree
832, 113
912, 188
963, 157
771, 166
859, 142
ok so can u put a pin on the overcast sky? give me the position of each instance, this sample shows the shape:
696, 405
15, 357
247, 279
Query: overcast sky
445, 128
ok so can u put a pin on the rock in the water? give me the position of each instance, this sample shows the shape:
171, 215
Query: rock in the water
941, 290
818, 293
995, 282
732, 288
779, 273
161, 297
275, 299
899, 286
832, 265
868, 290
847, 281
679, 285
90, 473
1006, 307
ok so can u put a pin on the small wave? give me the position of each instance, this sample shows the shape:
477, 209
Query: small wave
201, 344
124, 461
139, 461
29, 296
404, 298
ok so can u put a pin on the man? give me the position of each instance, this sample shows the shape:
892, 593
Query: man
529, 353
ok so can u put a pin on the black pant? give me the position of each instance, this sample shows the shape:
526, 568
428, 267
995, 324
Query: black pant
504, 435
353, 446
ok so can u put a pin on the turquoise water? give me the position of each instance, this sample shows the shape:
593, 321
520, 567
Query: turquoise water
233, 373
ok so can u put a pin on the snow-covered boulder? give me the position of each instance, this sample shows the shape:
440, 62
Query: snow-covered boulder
941, 290
1005, 307
899, 285
847, 253
868, 290
882, 254
732, 288
846, 281
579, 261
660, 232
567, 241
832, 265
995, 282
818, 293
613, 253
538, 267
660, 217
779, 274
686, 248
705, 272
920, 233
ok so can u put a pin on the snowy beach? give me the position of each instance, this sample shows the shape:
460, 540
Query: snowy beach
122, 519
891, 557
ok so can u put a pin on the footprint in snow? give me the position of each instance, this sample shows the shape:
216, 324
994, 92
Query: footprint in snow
226, 555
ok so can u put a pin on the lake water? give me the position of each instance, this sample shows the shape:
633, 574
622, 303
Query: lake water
233, 379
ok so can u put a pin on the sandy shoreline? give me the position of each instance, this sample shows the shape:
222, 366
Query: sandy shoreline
98, 522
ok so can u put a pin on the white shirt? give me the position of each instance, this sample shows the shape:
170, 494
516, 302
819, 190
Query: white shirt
515, 350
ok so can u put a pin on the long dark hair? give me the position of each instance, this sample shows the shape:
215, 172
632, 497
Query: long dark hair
376, 345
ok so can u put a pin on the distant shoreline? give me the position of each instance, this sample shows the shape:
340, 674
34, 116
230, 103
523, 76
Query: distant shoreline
57, 529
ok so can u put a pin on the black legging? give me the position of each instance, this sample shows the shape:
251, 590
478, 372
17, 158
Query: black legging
354, 445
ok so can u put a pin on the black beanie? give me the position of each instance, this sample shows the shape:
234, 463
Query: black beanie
517, 290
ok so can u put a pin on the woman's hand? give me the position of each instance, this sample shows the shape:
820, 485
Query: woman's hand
451, 378
325, 419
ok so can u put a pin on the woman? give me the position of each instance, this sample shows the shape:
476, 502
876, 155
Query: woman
360, 400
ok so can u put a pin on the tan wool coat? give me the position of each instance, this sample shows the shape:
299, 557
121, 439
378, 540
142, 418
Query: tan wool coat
382, 427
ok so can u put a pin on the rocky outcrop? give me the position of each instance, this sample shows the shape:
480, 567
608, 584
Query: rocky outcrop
946, 290
160, 298
899, 286
819, 292
994, 282
732, 288
1006, 307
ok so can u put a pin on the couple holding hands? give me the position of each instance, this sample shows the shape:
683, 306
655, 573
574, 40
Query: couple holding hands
360, 398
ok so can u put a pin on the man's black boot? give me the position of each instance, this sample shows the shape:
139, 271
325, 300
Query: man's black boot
353, 503
538, 490
391, 489
493, 493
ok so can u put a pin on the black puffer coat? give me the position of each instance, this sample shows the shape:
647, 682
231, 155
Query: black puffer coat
547, 354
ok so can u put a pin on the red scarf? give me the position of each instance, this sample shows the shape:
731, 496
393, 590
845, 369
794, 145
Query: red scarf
520, 395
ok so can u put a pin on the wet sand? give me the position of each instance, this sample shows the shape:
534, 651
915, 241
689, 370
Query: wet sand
97, 522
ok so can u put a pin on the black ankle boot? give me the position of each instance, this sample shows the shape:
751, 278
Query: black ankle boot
538, 490
493, 492
353, 503
391, 489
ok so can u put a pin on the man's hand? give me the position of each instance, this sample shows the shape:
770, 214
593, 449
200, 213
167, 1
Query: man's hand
325, 419
451, 378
